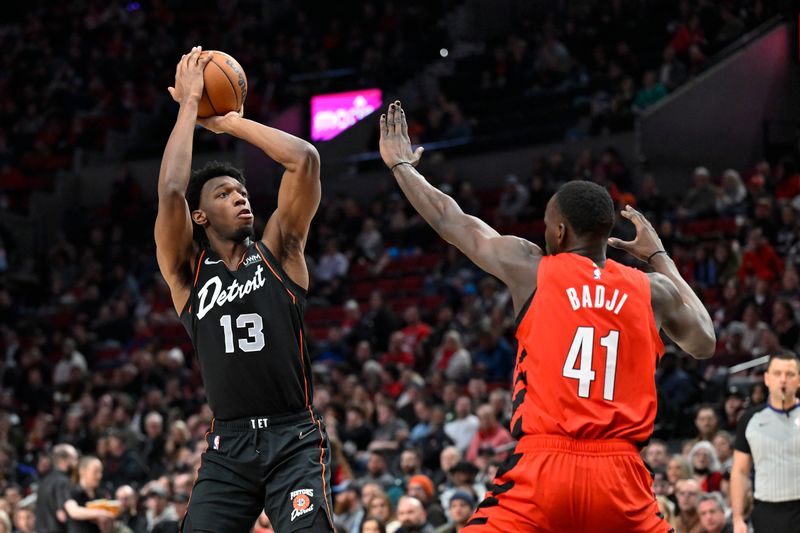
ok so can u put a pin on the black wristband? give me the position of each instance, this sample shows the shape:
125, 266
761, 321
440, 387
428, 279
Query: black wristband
391, 169
654, 253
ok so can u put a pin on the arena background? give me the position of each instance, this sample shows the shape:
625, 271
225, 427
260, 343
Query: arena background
688, 110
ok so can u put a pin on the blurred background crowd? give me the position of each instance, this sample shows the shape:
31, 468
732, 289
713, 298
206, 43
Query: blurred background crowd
413, 346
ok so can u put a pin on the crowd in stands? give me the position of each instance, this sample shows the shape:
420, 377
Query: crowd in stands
107, 63
74, 71
413, 347
581, 68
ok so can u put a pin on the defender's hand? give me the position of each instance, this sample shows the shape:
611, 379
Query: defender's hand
395, 145
646, 242
189, 76
221, 124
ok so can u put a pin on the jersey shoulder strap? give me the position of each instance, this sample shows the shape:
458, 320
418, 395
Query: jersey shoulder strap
295, 291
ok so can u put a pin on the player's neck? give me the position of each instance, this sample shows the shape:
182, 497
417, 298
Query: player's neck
229, 251
596, 251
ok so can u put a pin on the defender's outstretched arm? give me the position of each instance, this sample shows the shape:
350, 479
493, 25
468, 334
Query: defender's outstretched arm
506, 257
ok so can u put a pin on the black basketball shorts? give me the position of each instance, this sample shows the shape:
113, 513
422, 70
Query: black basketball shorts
279, 464
775, 517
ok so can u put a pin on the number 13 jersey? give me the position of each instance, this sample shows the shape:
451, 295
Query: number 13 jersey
587, 355
246, 326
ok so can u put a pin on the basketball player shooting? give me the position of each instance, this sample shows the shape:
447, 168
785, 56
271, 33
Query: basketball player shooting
588, 345
241, 300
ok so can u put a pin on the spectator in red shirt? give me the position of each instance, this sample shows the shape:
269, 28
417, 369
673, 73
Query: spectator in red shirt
760, 259
687, 34
490, 435
415, 331
399, 351
788, 180
706, 466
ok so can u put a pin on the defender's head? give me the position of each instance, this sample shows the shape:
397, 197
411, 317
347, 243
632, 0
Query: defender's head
219, 203
580, 212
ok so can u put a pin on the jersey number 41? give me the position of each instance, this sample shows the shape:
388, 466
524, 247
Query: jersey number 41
583, 348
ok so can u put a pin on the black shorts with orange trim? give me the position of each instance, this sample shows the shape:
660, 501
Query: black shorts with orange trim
278, 464
554, 484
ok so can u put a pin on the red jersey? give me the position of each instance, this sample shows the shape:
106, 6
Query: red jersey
588, 349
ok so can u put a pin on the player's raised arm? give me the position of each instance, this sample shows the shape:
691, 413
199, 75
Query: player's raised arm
300, 190
506, 257
678, 310
173, 231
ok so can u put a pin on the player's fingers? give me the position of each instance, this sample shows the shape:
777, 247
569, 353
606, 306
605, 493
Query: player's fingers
619, 244
171, 91
418, 155
203, 60
191, 58
383, 126
398, 128
390, 119
403, 123
643, 219
631, 215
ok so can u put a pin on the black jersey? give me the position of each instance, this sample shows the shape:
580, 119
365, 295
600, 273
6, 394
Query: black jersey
247, 329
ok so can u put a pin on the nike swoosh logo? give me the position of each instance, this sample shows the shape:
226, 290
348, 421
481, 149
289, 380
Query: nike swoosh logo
304, 435
210, 262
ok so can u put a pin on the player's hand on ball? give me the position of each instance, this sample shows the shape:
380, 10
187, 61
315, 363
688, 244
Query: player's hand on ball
646, 242
189, 76
395, 145
221, 124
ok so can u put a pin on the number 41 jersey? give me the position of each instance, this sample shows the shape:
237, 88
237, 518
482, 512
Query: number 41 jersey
246, 326
588, 350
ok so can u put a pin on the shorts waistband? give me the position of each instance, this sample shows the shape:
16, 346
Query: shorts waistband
264, 422
787, 504
560, 443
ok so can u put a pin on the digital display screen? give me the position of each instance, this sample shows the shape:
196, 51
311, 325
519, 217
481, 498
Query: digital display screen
331, 114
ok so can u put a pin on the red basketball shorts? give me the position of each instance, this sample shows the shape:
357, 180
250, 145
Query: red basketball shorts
558, 484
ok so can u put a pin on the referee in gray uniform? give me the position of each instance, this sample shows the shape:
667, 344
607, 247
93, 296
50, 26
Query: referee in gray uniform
768, 437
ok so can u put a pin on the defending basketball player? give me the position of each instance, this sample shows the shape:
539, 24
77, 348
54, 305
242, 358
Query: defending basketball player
588, 334
241, 299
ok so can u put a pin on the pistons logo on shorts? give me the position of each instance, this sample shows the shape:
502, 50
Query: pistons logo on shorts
301, 502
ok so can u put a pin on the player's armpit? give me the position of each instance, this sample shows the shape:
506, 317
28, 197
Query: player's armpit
681, 322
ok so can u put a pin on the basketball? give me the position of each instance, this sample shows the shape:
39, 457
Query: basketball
225, 86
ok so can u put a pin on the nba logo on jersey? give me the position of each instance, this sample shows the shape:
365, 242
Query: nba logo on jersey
216, 442
596, 273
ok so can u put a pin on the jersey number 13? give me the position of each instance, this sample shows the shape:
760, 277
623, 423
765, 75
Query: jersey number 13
583, 348
255, 332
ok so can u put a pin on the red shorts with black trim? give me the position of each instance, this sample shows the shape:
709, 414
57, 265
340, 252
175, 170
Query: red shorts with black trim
557, 484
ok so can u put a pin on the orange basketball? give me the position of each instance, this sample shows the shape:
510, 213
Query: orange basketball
225, 86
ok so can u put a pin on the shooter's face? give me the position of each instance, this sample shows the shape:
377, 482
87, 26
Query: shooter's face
225, 207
